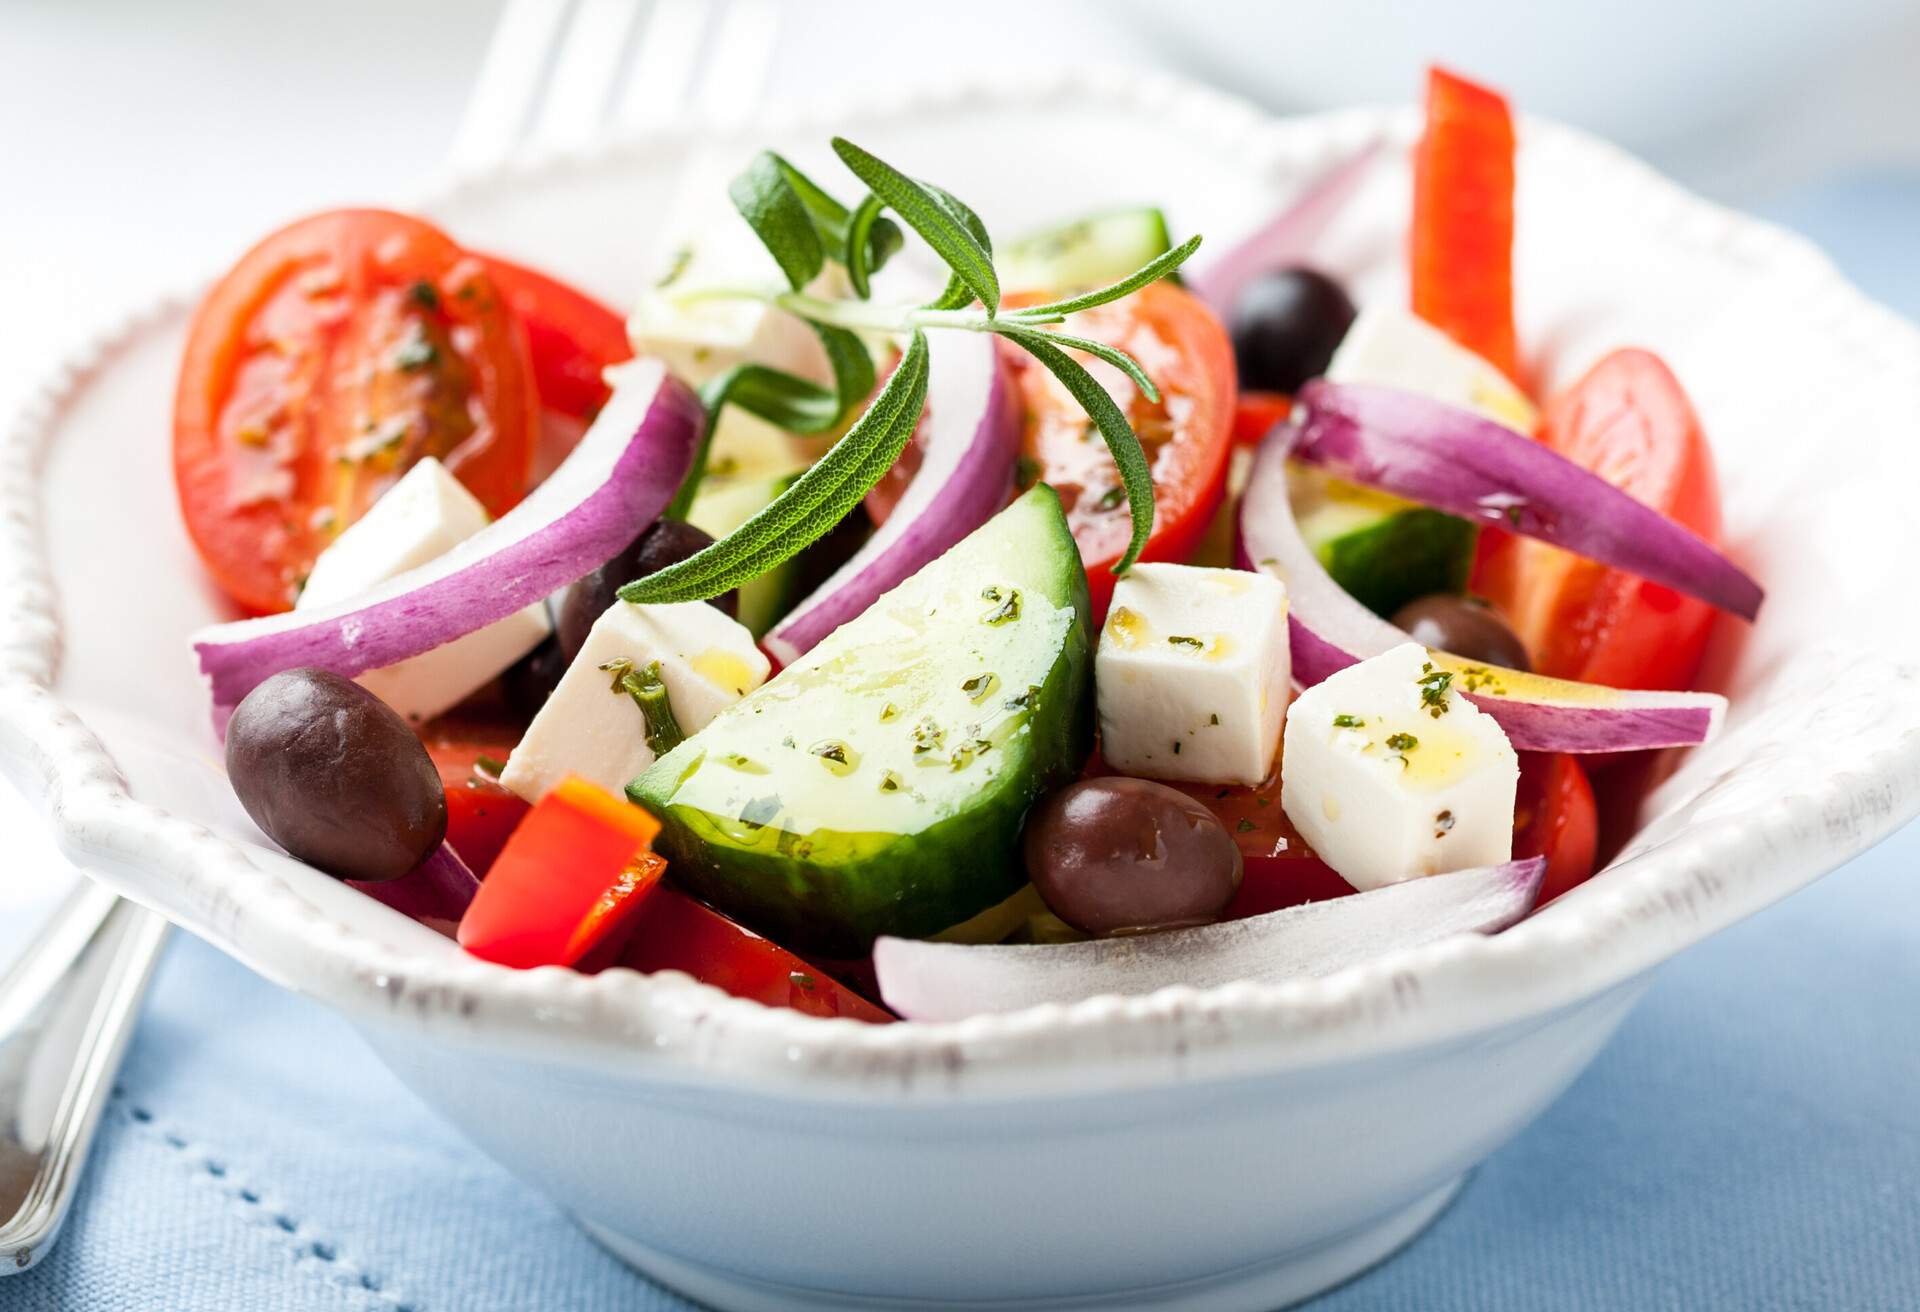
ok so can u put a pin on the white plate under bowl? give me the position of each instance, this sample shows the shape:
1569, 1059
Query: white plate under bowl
1236, 1148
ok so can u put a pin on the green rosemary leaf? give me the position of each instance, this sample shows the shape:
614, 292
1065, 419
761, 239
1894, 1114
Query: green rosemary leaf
813, 504
1119, 435
879, 241
931, 214
1113, 355
1153, 271
857, 250
778, 214
957, 295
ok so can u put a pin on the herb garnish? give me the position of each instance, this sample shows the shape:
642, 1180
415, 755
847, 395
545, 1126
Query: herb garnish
1433, 691
804, 228
649, 692
1182, 640
1402, 742
1348, 722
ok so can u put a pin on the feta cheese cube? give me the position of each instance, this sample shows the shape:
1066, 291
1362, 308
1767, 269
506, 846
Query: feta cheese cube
1192, 674
1390, 774
1393, 348
592, 728
421, 517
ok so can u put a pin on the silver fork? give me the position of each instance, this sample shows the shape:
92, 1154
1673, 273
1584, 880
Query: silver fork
557, 74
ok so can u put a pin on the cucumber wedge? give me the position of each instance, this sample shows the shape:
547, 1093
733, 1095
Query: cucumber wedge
1384, 551
1100, 248
877, 785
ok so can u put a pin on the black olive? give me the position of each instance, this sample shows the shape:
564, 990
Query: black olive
530, 680
335, 776
666, 542
1124, 856
1467, 627
1286, 326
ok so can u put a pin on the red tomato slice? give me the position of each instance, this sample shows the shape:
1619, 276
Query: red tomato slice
1629, 422
572, 873
1554, 816
468, 746
1462, 241
571, 337
1280, 870
334, 355
1257, 414
674, 932
1188, 434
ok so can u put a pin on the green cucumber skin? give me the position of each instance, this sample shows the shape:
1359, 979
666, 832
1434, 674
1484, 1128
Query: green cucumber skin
1086, 252
851, 888
1410, 554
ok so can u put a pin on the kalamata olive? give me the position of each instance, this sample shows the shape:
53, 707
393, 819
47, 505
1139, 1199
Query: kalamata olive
1464, 626
530, 680
1286, 326
1123, 856
335, 776
666, 542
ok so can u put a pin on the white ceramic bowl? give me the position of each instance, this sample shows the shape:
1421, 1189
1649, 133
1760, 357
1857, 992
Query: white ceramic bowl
1236, 1148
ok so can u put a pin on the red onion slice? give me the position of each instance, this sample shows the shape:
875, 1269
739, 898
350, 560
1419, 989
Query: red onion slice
1454, 460
1330, 631
1285, 239
615, 483
966, 471
435, 892
950, 981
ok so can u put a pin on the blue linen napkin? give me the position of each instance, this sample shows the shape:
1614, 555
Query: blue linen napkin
1750, 1140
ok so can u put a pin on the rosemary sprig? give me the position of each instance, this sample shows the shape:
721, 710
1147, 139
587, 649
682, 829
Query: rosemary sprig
803, 228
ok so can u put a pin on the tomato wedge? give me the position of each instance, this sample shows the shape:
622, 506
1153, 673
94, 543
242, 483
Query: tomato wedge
674, 932
1279, 869
1629, 421
1555, 816
571, 337
1188, 433
1257, 414
1462, 240
571, 875
468, 746
334, 355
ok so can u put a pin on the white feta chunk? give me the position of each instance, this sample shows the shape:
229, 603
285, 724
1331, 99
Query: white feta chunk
590, 727
1192, 674
1393, 348
1390, 774
420, 518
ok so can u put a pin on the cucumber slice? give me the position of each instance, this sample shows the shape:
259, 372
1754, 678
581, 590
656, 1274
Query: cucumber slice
877, 785
723, 505
1100, 248
1384, 551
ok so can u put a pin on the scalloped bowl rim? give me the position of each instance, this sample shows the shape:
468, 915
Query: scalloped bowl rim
676, 1030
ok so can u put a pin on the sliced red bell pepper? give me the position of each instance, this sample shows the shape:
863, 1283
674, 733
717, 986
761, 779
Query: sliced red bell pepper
1256, 414
570, 875
1462, 239
674, 932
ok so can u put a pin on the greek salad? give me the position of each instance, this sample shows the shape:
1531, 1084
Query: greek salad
884, 620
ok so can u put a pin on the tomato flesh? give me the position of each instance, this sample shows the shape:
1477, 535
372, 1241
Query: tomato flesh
468, 746
1629, 421
572, 873
675, 932
1257, 414
1462, 234
1187, 434
1554, 816
331, 358
571, 338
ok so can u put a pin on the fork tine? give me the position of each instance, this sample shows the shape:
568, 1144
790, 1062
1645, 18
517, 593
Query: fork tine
583, 73
510, 79
742, 53
662, 66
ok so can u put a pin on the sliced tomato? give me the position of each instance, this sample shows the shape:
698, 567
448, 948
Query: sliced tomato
468, 747
1630, 422
675, 932
1554, 816
1188, 433
1462, 238
334, 355
571, 875
1257, 414
1279, 869
571, 337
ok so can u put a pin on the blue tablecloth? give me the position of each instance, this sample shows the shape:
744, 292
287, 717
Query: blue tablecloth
1750, 1140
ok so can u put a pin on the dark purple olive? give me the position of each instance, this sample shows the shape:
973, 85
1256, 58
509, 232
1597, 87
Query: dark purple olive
530, 680
667, 542
1286, 326
335, 776
1465, 626
1124, 856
